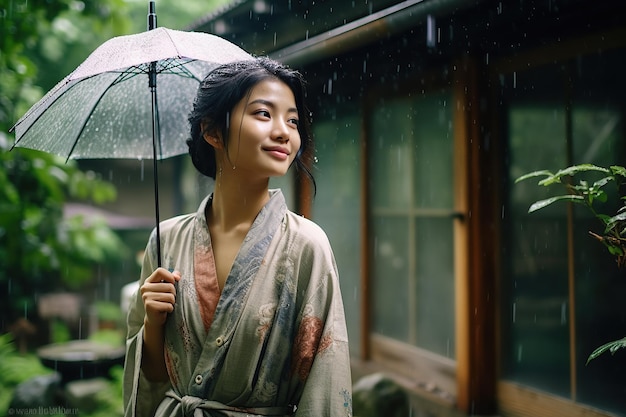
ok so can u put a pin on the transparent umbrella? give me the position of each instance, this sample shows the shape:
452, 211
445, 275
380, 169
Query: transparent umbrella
108, 107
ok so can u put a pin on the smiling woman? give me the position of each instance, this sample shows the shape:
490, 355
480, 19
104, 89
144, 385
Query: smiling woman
246, 317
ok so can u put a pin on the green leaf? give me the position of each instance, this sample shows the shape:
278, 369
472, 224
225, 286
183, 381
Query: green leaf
608, 347
571, 171
544, 203
617, 218
602, 182
533, 174
618, 170
598, 195
614, 250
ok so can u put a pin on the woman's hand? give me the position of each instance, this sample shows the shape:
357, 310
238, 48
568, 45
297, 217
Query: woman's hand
159, 296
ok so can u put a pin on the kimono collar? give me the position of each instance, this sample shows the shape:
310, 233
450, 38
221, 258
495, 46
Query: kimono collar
276, 205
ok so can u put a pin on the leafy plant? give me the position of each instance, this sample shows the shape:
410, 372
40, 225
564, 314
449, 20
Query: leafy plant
588, 194
41, 249
108, 311
109, 401
14, 369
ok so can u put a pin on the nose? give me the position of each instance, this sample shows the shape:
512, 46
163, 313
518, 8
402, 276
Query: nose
280, 131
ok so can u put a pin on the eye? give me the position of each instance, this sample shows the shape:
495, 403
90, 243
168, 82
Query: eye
294, 121
262, 113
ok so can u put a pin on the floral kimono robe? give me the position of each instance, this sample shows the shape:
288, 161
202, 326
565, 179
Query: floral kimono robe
274, 342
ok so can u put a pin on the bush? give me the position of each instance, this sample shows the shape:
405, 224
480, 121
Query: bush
15, 368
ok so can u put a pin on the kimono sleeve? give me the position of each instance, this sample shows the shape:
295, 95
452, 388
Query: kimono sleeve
321, 351
141, 397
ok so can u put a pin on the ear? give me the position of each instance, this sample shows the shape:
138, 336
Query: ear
212, 138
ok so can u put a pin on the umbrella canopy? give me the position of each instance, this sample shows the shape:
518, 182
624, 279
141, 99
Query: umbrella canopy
108, 107
103, 109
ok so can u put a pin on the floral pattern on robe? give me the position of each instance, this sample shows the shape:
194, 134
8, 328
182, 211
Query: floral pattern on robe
273, 342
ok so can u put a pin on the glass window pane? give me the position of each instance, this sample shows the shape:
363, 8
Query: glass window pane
411, 194
433, 152
536, 350
337, 205
391, 271
538, 276
390, 146
434, 289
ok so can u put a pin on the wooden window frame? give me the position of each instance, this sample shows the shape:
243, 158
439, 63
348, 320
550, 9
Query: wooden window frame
454, 380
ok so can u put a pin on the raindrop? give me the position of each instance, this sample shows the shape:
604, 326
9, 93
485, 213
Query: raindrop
519, 353
430, 31
514, 312
514, 79
563, 313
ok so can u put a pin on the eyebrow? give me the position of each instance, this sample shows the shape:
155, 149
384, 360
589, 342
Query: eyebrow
271, 104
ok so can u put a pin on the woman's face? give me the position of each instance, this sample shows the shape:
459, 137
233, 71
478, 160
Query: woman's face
263, 136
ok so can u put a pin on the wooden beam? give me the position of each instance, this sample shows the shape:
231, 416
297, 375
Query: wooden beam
475, 285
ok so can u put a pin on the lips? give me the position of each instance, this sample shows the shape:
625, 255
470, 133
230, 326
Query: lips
277, 152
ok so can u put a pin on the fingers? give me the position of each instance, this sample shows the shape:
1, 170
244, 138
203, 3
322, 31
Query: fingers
163, 275
159, 295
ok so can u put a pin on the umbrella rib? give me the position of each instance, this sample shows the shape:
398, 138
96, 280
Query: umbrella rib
86, 120
43, 102
176, 66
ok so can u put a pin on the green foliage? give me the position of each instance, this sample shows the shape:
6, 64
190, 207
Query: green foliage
611, 347
15, 368
589, 193
54, 35
109, 401
111, 337
60, 333
108, 311
40, 249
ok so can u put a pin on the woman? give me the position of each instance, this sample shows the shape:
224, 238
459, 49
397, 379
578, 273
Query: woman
250, 321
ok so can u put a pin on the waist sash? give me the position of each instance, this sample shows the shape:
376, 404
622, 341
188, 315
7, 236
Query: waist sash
194, 406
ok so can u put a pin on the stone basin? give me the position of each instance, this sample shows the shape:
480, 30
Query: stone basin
81, 359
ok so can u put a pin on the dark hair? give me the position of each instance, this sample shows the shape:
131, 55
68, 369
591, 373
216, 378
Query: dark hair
223, 88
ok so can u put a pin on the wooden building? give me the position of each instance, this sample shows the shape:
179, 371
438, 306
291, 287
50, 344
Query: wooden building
425, 112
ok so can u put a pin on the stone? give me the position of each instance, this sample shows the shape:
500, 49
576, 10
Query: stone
82, 394
37, 393
377, 395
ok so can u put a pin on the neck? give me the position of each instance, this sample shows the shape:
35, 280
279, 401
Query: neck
236, 202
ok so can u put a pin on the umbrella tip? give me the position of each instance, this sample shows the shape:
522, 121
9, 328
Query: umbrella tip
152, 19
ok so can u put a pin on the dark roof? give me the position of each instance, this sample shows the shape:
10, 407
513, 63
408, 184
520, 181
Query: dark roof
301, 31
263, 26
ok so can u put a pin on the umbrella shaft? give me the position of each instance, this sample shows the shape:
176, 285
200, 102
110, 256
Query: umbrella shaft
152, 75
152, 18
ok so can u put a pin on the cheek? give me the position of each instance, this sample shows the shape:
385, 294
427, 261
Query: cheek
297, 146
